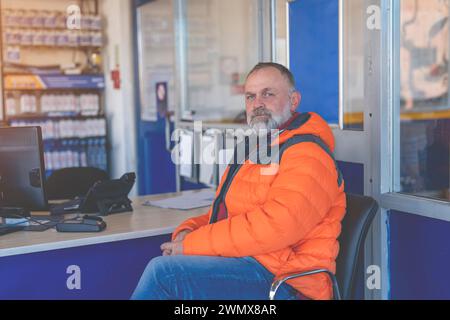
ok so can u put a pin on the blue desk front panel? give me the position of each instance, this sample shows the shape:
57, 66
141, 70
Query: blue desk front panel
107, 271
419, 257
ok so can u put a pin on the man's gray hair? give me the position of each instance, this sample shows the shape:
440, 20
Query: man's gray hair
284, 71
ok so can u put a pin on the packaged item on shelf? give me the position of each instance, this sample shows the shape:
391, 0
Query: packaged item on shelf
61, 20
13, 54
8, 18
13, 36
89, 104
27, 19
85, 38
83, 154
24, 104
20, 18
44, 103
73, 38
96, 39
26, 37
55, 159
62, 107
96, 22
9, 36
48, 164
101, 127
73, 101
85, 22
11, 105
38, 19
48, 132
62, 38
28, 103
50, 19
50, 37
39, 38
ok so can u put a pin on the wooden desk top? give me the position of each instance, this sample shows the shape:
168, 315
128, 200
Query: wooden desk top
144, 221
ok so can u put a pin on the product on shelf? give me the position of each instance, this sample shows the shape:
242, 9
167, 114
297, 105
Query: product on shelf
28, 103
11, 105
12, 54
46, 19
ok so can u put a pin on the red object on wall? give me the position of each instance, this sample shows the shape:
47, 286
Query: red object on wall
115, 77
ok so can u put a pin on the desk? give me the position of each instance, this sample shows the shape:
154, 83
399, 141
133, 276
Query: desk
104, 265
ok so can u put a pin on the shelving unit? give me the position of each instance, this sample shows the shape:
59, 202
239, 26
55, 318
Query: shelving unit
66, 104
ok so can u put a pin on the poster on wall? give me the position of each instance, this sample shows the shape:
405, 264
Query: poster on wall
155, 95
161, 98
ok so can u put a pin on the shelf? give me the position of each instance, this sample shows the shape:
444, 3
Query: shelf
44, 28
30, 46
52, 117
50, 140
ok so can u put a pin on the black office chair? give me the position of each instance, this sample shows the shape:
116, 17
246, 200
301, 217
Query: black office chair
69, 183
360, 212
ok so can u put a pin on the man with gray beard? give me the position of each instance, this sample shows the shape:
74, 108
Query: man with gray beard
261, 226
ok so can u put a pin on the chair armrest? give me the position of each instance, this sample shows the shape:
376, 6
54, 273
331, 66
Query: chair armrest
277, 283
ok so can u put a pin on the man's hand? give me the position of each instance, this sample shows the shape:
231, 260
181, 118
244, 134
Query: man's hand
172, 248
167, 249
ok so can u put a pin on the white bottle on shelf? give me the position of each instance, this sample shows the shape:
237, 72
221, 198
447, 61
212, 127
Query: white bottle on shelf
11, 106
33, 103
47, 161
24, 103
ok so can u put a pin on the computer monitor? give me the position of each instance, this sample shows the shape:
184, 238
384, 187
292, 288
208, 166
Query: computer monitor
22, 170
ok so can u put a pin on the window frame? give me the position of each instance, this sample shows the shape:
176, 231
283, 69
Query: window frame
388, 142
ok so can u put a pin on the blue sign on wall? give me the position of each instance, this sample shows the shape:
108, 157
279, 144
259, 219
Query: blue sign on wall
73, 81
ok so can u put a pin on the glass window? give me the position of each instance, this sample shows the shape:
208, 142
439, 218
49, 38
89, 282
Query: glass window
352, 42
222, 46
156, 58
281, 32
424, 100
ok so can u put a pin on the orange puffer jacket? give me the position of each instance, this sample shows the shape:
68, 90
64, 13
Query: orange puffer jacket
288, 221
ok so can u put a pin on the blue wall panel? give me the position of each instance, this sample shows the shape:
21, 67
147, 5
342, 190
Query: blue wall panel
419, 257
108, 271
353, 174
314, 55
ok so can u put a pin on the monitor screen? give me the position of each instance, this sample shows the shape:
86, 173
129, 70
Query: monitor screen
22, 171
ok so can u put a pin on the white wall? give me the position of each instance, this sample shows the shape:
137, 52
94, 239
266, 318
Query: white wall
120, 104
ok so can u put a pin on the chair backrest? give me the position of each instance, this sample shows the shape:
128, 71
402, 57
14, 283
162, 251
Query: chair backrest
69, 183
356, 223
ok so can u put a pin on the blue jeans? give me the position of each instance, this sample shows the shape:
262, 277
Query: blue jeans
208, 277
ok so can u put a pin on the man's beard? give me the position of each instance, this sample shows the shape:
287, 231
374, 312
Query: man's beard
273, 121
